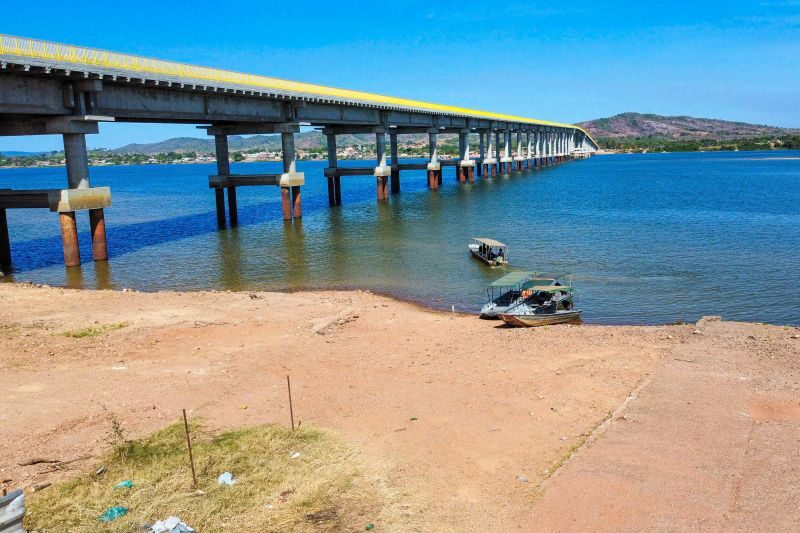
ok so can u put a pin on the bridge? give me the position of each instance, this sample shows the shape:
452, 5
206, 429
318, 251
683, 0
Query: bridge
50, 88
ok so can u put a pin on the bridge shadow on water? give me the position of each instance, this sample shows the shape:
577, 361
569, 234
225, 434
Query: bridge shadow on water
44, 252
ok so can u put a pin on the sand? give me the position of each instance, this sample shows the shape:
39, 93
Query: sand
474, 426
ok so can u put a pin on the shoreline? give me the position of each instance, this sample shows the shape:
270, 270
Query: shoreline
442, 157
417, 304
476, 427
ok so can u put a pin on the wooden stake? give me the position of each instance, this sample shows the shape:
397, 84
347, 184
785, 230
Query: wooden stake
189, 444
291, 411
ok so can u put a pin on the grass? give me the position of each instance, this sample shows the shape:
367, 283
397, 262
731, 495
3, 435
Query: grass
325, 489
93, 331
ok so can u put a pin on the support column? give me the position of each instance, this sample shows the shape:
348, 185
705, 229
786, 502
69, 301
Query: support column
77, 162
333, 181
5, 244
481, 153
395, 163
382, 170
496, 167
219, 198
97, 221
529, 152
466, 166
519, 158
224, 169
507, 153
434, 168
290, 199
69, 239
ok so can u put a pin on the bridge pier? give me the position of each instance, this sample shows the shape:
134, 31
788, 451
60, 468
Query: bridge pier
291, 204
505, 161
518, 159
465, 168
224, 169
434, 167
334, 181
382, 171
395, 163
5, 244
77, 163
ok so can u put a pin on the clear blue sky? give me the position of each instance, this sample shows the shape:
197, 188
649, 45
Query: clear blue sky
737, 60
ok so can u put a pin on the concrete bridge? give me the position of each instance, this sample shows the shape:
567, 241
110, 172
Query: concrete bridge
51, 88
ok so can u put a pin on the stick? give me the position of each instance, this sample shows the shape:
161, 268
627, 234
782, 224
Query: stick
189, 444
291, 411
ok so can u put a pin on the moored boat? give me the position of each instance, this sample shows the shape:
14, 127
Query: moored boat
490, 251
510, 290
543, 305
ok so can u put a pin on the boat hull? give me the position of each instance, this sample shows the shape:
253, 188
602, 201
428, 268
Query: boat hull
530, 321
490, 262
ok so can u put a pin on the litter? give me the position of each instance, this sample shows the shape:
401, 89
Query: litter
127, 484
522, 479
112, 513
369, 526
226, 478
295, 455
173, 524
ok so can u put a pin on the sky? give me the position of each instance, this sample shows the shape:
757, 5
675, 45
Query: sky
559, 61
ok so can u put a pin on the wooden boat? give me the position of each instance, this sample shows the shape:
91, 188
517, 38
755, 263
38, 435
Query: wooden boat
543, 305
506, 292
530, 321
490, 251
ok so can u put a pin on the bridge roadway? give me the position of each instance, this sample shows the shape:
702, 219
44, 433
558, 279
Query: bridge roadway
51, 88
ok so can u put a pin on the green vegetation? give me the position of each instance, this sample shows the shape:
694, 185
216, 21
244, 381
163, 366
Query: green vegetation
663, 144
93, 331
302, 480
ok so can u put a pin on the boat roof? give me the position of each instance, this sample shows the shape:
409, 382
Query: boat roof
512, 278
489, 242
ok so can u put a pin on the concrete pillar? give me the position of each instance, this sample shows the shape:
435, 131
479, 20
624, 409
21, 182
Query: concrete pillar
77, 160
291, 205
395, 163
519, 156
434, 168
381, 174
77, 163
69, 239
332, 163
481, 152
219, 198
507, 152
5, 244
224, 169
97, 221
496, 167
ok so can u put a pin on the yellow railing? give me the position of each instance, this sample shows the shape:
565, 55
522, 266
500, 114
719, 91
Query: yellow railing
48, 51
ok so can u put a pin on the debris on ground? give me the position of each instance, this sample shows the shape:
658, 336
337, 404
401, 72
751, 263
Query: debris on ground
127, 484
522, 479
172, 524
226, 478
112, 513
295, 455
369, 526
37, 461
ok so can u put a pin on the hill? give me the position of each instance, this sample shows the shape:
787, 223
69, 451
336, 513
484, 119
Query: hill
640, 132
637, 125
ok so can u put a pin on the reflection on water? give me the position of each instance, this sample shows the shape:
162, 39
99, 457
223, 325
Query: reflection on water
650, 238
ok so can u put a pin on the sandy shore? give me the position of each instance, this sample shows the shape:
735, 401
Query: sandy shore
473, 425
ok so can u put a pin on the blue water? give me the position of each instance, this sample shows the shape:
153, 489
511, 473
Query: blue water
650, 238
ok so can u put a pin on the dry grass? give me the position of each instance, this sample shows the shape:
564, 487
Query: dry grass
93, 331
323, 489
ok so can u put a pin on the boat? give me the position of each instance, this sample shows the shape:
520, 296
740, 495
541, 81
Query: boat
490, 251
543, 305
506, 292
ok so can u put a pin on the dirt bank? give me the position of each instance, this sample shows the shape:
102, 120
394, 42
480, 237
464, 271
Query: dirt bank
468, 420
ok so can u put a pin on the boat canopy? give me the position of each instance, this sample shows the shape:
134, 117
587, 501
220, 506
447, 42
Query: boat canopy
489, 242
550, 288
512, 278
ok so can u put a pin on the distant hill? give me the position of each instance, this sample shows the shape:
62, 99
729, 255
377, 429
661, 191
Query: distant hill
304, 141
638, 125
